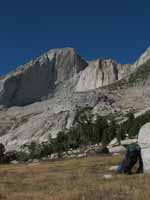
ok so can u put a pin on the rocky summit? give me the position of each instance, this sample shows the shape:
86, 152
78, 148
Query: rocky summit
38, 78
41, 97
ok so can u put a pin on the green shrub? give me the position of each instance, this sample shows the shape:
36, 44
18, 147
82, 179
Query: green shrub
2, 151
22, 156
133, 125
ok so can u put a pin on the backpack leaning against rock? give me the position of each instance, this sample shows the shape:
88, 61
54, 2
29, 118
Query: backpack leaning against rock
133, 155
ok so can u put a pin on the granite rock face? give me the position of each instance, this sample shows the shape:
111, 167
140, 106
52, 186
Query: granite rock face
144, 141
143, 59
100, 73
38, 78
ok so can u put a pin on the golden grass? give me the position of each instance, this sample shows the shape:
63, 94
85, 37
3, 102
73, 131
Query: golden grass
76, 179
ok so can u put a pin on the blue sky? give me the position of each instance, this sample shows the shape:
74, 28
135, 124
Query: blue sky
111, 28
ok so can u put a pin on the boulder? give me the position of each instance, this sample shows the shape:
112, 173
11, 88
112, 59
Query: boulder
81, 155
54, 156
97, 150
15, 162
107, 176
129, 141
117, 149
113, 168
114, 142
144, 142
102, 150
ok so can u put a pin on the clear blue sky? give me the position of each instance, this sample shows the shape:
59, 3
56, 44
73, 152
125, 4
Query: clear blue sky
119, 29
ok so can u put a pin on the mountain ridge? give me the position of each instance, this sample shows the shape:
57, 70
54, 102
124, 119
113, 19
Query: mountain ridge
54, 110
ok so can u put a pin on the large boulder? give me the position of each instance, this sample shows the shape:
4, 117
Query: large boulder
144, 142
117, 149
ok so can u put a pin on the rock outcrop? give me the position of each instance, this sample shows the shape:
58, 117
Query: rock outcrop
143, 59
100, 73
144, 142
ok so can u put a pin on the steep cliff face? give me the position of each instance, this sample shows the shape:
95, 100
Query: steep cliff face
100, 73
38, 78
30, 83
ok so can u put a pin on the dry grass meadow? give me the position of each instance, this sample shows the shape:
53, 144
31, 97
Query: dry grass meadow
76, 179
